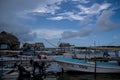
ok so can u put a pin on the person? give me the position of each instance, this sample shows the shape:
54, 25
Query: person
22, 69
15, 64
106, 54
39, 56
23, 72
43, 56
42, 65
31, 61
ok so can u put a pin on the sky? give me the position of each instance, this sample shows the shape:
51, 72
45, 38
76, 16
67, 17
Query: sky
78, 22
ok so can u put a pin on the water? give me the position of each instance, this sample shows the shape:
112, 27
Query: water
80, 76
56, 75
77, 76
83, 76
54, 67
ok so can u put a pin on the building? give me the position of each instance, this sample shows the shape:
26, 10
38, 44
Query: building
8, 41
34, 46
39, 46
29, 46
65, 47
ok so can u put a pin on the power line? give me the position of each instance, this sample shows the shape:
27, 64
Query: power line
50, 43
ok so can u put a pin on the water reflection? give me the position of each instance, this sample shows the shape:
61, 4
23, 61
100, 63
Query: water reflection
81, 76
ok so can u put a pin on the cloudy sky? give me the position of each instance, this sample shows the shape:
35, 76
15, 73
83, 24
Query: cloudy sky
78, 22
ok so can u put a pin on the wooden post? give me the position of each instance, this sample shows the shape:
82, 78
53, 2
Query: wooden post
95, 69
62, 71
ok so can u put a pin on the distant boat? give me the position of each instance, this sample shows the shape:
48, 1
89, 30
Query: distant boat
71, 64
84, 54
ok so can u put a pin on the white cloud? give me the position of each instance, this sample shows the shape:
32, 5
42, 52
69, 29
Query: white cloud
46, 9
48, 33
20, 9
84, 15
67, 15
103, 24
56, 18
72, 16
54, 1
48, 6
12, 12
82, 1
94, 9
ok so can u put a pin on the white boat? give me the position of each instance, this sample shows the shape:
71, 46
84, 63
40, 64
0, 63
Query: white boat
70, 64
88, 54
84, 53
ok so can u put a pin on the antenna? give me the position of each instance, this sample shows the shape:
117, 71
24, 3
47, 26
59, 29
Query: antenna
94, 43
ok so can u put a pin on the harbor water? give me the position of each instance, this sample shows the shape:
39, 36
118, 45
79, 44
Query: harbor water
54, 73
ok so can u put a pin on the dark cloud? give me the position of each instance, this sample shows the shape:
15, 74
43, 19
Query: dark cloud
23, 33
82, 33
11, 8
69, 34
104, 22
10, 11
13, 13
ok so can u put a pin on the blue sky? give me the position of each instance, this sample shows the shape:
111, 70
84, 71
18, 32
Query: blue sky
78, 22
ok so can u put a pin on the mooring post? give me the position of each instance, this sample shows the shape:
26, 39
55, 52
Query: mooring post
95, 69
62, 71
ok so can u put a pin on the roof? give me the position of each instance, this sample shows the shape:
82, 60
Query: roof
33, 45
39, 44
8, 38
64, 45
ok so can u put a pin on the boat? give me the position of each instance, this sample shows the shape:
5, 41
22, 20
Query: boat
84, 52
71, 64
94, 64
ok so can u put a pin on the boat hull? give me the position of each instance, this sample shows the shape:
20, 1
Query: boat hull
88, 67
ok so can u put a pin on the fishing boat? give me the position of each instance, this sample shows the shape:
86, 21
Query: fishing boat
84, 52
70, 64
106, 64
